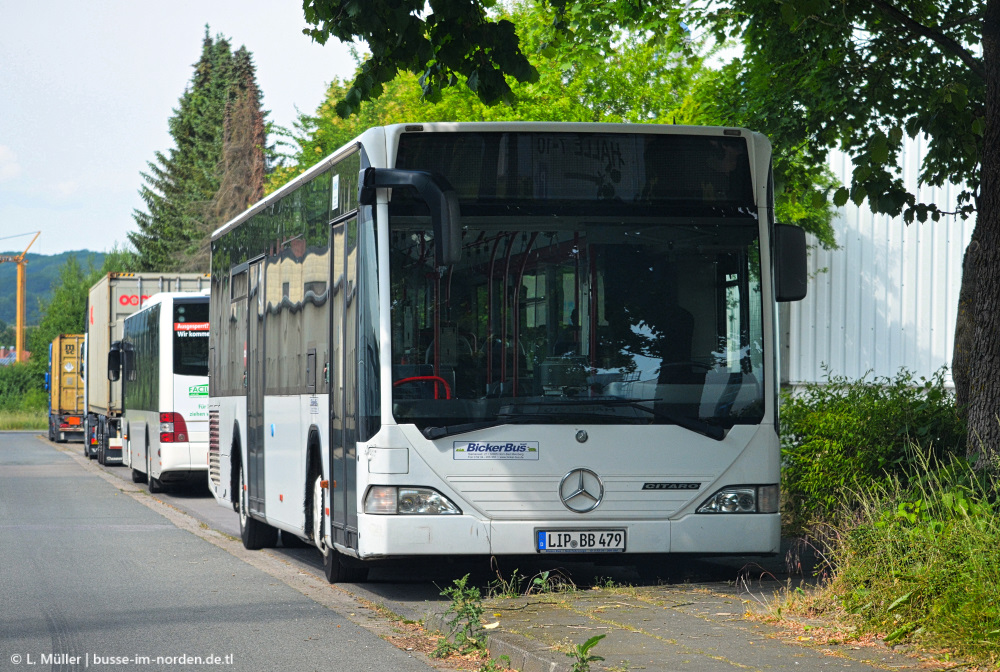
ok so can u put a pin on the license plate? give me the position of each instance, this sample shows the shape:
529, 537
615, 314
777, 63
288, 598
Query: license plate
580, 541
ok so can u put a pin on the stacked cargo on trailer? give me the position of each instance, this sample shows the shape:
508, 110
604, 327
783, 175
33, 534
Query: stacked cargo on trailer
111, 300
64, 383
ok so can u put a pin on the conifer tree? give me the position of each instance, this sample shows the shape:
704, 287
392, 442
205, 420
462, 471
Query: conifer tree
243, 162
181, 185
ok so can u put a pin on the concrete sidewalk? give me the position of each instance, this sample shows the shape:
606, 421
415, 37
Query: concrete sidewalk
706, 627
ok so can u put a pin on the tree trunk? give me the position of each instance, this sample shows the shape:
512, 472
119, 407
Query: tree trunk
984, 387
964, 329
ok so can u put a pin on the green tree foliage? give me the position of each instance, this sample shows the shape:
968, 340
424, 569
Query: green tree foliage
856, 75
643, 79
181, 186
842, 438
21, 389
863, 76
454, 39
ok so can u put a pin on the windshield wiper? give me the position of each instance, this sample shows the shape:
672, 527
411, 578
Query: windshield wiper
696, 425
448, 430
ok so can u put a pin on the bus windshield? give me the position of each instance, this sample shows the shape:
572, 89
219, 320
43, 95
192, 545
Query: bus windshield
602, 278
191, 337
612, 323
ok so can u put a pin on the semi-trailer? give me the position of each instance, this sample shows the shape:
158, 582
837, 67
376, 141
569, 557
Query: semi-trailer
113, 298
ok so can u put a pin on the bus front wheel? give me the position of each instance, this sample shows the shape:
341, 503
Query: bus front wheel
337, 569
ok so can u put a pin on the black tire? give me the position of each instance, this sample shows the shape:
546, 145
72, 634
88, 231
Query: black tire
100, 440
340, 569
336, 566
52, 434
255, 534
138, 476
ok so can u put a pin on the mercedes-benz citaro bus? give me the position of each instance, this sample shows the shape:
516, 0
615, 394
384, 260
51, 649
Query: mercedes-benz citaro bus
162, 362
505, 339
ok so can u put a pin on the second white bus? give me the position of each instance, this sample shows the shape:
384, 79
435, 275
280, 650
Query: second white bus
162, 363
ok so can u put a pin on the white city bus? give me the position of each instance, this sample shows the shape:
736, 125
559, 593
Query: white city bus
503, 339
162, 363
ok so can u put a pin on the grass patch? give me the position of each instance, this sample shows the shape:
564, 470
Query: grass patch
920, 564
33, 419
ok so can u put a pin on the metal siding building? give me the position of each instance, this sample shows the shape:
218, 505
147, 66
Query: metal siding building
887, 299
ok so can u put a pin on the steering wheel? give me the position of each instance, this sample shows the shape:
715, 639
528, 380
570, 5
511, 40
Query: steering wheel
424, 379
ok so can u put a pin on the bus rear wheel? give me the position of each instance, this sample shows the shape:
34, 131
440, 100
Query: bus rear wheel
255, 534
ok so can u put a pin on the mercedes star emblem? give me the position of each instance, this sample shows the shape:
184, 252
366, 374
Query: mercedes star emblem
581, 490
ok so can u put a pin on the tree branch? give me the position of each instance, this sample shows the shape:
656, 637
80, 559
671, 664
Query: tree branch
946, 43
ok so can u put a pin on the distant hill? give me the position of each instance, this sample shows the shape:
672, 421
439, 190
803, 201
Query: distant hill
42, 271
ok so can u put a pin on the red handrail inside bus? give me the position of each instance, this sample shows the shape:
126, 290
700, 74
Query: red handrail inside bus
433, 379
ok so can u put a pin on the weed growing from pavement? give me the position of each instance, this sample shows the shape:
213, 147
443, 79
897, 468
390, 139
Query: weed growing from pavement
550, 581
499, 665
508, 588
465, 629
545, 582
582, 656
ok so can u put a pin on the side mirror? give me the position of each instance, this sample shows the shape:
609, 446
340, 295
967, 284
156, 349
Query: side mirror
115, 361
439, 196
790, 272
48, 381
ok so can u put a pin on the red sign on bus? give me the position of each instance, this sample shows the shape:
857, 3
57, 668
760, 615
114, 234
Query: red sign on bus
190, 326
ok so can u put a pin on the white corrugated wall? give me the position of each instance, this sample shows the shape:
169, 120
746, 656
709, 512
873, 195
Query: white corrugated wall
887, 298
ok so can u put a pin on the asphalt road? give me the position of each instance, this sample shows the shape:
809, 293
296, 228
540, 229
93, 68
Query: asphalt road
94, 574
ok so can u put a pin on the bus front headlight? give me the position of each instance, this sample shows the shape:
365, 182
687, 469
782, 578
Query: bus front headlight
742, 499
391, 500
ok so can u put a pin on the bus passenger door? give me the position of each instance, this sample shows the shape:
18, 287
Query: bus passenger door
343, 471
255, 389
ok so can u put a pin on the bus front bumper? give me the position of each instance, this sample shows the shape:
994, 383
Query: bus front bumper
400, 535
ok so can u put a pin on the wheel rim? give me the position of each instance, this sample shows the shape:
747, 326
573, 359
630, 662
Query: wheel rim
317, 518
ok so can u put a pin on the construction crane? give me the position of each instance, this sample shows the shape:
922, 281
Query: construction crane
21, 270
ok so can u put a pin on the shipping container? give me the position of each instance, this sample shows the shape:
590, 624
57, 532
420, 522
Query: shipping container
64, 382
113, 298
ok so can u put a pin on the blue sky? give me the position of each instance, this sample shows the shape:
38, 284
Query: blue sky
86, 90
